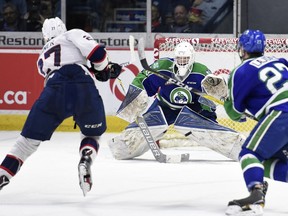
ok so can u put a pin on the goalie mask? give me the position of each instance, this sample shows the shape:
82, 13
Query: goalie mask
52, 28
184, 56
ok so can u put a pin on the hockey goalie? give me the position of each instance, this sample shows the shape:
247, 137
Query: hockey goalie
171, 104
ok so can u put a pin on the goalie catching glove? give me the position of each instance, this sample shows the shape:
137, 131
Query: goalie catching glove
111, 71
216, 84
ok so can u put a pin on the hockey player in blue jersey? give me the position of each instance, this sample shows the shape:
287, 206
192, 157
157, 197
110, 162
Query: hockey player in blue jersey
70, 90
259, 85
172, 105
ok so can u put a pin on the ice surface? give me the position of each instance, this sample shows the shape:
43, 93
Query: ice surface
47, 184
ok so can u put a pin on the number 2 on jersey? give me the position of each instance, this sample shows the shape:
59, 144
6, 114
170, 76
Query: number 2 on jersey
57, 58
272, 81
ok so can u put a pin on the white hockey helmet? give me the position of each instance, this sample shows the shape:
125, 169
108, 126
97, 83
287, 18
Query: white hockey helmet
52, 28
184, 57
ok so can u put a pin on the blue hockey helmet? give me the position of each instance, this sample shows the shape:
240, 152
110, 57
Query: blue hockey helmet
252, 41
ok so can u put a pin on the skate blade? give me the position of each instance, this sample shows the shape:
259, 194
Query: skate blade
84, 184
234, 210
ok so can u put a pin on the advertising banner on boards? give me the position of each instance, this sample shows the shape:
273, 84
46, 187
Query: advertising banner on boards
21, 84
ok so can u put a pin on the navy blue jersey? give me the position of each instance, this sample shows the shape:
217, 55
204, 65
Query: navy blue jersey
171, 95
258, 85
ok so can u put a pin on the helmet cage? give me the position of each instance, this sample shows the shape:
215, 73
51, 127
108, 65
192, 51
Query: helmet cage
184, 59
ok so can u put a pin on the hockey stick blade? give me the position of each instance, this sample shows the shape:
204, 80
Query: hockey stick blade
159, 156
143, 61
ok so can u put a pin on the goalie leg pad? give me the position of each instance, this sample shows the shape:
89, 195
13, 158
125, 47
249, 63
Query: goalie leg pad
128, 145
209, 134
131, 143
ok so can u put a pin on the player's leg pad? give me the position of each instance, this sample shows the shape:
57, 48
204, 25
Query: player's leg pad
210, 134
131, 143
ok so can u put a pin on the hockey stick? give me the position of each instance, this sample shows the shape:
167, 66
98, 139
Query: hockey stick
132, 58
170, 80
159, 156
132, 52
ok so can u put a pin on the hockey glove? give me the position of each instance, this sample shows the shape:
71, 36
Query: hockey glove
216, 84
111, 71
115, 70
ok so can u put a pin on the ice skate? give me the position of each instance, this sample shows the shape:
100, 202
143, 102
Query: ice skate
3, 181
250, 206
84, 171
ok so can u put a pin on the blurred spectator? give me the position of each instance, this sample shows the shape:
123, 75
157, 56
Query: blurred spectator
166, 8
47, 9
195, 15
11, 19
156, 24
34, 19
85, 14
181, 22
210, 13
21, 6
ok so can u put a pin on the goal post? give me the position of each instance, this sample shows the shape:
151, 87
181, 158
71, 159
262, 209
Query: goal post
217, 53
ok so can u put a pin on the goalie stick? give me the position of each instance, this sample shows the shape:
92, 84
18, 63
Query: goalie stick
159, 156
143, 61
132, 59
132, 52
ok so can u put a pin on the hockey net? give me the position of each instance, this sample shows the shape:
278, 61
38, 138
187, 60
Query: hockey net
216, 53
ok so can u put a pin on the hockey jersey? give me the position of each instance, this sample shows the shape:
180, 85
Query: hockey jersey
72, 47
258, 85
169, 94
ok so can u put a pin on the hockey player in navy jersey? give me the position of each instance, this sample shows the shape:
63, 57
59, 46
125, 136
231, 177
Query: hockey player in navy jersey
70, 90
259, 85
172, 105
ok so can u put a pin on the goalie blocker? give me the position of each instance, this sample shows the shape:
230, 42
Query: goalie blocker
135, 102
